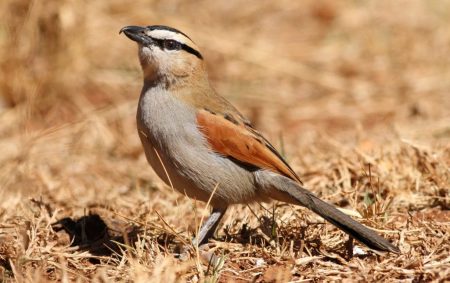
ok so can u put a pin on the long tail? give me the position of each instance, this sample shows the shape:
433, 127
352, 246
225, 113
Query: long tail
344, 222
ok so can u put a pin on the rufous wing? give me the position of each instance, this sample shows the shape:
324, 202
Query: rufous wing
229, 136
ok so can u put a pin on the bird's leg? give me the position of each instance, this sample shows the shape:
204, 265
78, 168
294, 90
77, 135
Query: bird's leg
208, 228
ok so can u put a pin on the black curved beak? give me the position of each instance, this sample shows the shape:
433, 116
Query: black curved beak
137, 34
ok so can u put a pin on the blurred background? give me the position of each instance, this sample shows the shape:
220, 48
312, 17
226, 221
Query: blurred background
336, 85
350, 71
285, 63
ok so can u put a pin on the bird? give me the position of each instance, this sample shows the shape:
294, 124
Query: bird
198, 143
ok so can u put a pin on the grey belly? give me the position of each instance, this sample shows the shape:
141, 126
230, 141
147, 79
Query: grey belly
198, 174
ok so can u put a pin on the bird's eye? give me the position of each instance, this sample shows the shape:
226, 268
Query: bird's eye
171, 44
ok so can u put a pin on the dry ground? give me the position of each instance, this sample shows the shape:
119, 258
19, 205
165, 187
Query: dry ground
355, 94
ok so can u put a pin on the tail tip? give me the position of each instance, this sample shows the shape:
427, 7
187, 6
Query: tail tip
394, 249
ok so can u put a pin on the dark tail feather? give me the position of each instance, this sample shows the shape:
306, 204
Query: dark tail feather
344, 222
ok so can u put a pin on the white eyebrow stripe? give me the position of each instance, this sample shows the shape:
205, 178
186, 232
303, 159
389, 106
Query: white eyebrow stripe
166, 34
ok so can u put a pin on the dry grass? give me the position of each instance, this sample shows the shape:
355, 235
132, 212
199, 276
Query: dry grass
357, 95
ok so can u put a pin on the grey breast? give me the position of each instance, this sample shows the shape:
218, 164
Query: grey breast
192, 168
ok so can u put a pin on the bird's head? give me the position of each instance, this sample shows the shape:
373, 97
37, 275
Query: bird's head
165, 53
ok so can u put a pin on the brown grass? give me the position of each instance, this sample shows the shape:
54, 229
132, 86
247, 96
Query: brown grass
356, 94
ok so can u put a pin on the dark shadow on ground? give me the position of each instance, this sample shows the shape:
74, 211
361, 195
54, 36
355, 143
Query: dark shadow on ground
92, 234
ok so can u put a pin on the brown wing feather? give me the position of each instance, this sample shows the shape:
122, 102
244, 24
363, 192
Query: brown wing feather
231, 138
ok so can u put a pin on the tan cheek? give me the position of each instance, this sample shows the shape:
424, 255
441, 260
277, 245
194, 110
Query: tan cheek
183, 66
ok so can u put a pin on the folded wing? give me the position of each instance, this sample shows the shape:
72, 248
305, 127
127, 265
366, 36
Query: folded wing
231, 136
